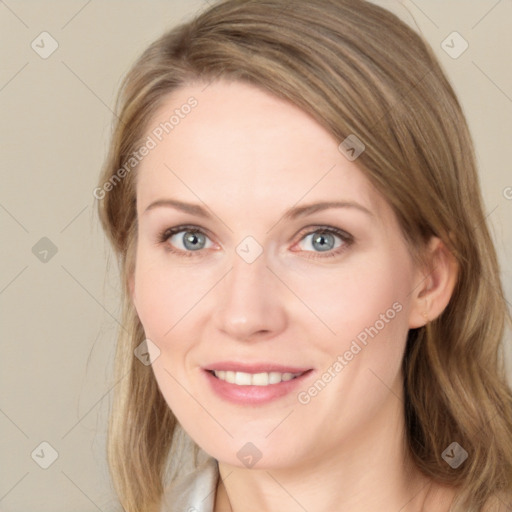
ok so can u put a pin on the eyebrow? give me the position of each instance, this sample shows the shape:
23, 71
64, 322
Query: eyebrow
290, 214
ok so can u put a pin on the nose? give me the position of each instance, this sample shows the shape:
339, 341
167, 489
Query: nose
249, 302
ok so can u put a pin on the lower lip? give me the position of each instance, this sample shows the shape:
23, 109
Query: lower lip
253, 395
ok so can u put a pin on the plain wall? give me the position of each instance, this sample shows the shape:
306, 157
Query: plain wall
59, 317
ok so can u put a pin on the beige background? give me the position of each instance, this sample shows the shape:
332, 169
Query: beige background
60, 317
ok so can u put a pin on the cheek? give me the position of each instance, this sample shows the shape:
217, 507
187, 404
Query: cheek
165, 300
153, 302
366, 305
165, 294
358, 299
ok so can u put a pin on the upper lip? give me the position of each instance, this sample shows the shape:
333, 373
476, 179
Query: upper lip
254, 367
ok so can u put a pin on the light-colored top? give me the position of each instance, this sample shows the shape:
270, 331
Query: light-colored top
194, 491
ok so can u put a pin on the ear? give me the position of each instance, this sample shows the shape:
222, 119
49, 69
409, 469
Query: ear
436, 282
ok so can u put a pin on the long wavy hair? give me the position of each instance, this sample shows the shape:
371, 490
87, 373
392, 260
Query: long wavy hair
357, 69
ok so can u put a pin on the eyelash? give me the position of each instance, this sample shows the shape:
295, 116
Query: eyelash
348, 240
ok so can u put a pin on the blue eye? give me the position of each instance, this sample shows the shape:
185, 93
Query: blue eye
323, 240
191, 239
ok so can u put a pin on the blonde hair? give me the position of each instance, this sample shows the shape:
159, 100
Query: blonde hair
357, 69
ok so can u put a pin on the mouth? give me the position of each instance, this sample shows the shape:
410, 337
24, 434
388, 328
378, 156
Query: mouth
253, 385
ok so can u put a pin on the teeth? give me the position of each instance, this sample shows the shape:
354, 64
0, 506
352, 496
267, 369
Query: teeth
254, 379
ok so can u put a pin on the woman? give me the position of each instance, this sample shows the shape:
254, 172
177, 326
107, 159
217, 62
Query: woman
313, 310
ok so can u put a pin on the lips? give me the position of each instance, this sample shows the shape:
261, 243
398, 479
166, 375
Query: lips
255, 383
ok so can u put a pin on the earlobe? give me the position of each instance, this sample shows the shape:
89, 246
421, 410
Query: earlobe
437, 280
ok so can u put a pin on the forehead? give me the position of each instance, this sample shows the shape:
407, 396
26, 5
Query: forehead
244, 147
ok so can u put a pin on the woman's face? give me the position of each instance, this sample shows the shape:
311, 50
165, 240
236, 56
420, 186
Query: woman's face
257, 279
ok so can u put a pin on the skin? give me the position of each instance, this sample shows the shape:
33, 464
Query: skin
247, 157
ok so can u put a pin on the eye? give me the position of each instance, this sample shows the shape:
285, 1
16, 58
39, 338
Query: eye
185, 240
327, 240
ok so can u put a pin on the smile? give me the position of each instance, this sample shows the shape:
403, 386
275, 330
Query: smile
254, 386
